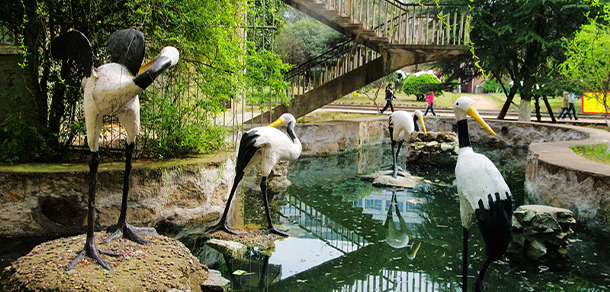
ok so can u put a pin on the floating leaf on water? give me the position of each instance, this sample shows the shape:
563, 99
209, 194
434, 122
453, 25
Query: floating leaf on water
239, 272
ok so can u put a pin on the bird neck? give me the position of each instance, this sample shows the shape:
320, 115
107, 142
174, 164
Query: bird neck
463, 137
415, 120
290, 131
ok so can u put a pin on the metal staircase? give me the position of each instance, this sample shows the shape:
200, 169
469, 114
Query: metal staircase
386, 35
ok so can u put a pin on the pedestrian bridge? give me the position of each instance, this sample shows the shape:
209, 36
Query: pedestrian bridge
385, 35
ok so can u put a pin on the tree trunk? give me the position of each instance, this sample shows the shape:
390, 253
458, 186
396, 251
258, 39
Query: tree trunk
509, 100
525, 111
607, 124
32, 35
548, 107
537, 106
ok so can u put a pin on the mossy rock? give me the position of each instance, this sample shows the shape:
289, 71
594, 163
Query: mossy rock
163, 265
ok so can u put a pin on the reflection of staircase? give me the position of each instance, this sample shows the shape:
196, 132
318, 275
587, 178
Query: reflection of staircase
386, 36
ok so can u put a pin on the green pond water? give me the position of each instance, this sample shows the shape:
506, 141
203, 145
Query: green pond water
343, 237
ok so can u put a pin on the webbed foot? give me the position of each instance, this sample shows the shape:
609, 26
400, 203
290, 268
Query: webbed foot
132, 233
221, 226
273, 230
92, 252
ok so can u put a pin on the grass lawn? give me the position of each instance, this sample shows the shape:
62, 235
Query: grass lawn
595, 153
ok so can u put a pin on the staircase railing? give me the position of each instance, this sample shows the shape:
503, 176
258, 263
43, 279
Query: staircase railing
399, 24
343, 58
442, 24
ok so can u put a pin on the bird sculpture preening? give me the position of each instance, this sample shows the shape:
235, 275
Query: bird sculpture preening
267, 145
112, 89
403, 125
483, 194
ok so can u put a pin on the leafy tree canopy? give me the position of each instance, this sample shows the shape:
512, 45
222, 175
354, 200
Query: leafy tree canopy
178, 113
588, 57
522, 40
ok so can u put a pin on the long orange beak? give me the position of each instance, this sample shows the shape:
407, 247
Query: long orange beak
421, 120
276, 123
475, 115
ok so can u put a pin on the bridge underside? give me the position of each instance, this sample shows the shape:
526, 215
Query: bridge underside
393, 57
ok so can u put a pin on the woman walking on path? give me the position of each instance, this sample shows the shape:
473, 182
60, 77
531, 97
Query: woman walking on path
389, 95
571, 100
564, 108
430, 107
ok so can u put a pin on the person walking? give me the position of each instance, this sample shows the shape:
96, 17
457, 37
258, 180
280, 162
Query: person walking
389, 95
430, 107
571, 100
564, 108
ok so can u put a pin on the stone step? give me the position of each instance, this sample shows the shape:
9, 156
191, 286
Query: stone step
319, 8
379, 40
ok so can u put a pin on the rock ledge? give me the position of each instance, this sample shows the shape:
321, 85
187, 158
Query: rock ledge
164, 265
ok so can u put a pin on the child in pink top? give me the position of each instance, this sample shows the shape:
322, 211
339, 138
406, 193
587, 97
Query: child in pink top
430, 98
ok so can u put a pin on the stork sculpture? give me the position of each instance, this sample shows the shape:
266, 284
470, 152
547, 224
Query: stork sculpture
112, 89
483, 194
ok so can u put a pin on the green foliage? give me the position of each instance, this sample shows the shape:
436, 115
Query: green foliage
21, 142
491, 85
524, 45
306, 39
587, 62
179, 111
420, 85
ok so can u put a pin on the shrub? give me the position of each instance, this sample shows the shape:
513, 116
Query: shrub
420, 85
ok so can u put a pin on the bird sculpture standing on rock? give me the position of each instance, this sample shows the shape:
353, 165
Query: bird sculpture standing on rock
401, 126
267, 145
112, 89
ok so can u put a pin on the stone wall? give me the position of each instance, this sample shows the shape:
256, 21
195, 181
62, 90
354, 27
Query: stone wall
555, 175
39, 203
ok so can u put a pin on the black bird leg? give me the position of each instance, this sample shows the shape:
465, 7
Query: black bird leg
465, 259
396, 159
91, 249
222, 224
123, 229
478, 284
270, 227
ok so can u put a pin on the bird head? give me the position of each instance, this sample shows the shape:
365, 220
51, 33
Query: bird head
420, 116
283, 119
463, 107
170, 52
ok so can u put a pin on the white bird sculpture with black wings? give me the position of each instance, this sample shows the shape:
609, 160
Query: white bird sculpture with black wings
483, 194
112, 89
267, 145
401, 126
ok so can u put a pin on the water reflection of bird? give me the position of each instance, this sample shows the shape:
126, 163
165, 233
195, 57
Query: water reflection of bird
267, 145
483, 193
112, 88
398, 237
401, 125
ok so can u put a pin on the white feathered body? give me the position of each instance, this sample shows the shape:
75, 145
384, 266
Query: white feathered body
274, 146
111, 90
402, 122
477, 177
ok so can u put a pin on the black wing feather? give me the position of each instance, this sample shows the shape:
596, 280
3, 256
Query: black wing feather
495, 224
127, 47
73, 45
246, 150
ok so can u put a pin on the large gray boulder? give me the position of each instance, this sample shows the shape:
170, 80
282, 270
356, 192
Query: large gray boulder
539, 230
